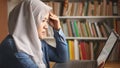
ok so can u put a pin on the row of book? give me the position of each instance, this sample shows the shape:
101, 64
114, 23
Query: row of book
84, 50
118, 7
89, 50
77, 28
116, 51
85, 8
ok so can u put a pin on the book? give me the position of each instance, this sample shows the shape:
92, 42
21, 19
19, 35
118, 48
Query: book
88, 50
98, 30
73, 28
85, 9
108, 29
88, 29
118, 45
57, 8
96, 5
71, 49
91, 50
69, 28
118, 7
98, 10
83, 53
76, 29
76, 50
94, 30
85, 29
104, 7
115, 8
75, 8
79, 9
65, 28
65, 7
95, 49
110, 13
91, 31
69, 10
82, 29
91, 9
102, 29
50, 4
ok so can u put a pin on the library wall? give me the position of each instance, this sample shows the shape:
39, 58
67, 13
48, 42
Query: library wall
3, 19
91, 28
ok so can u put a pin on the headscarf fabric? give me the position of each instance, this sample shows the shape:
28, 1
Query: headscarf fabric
23, 26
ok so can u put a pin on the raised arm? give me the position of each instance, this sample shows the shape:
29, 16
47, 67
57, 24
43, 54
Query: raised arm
60, 53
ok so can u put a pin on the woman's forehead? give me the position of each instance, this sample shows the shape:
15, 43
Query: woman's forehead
46, 16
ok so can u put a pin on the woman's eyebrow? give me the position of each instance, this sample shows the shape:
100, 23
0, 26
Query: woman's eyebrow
46, 18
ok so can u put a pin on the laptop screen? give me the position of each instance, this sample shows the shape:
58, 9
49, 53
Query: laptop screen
107, 48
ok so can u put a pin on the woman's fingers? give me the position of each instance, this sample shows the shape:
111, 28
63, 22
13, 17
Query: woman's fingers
53, 15
54, 21
53, 18
101, 65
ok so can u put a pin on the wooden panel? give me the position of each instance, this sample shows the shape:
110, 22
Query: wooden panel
3, 19
52, 64
112, 65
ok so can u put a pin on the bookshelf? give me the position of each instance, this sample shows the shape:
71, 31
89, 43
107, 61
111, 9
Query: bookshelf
98, 17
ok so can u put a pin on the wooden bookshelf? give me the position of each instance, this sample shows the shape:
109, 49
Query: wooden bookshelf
89, 18
3, 19
52, 64
94, 18
112, 65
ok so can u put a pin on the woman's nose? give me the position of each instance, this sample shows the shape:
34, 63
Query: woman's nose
46, 25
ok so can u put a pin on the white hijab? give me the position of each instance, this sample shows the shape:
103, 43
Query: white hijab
23, 27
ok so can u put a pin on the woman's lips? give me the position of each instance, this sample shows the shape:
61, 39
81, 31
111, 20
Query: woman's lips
43, 32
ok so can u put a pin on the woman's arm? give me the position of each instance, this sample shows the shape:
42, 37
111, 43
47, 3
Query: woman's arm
60, 53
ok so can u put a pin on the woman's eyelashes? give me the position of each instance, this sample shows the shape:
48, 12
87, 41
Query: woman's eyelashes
45, 20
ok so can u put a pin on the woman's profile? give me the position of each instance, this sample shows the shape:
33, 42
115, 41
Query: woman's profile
24, 47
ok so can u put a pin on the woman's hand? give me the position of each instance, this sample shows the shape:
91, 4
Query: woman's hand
101, 65
54, 21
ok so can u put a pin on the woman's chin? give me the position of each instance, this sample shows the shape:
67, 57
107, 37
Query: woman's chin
43, 37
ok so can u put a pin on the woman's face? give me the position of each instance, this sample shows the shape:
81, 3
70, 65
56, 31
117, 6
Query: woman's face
42, 28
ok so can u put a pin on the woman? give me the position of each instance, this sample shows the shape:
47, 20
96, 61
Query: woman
25, 47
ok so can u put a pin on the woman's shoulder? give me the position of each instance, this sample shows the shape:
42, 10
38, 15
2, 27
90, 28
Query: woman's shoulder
8, 40
44, 43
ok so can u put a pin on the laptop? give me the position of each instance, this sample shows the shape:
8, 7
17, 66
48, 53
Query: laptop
104, 54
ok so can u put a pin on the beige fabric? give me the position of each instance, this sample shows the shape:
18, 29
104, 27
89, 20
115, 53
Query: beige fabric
23, 27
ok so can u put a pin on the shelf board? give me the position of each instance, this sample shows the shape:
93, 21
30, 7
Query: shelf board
82, 38
89, 17
87, 38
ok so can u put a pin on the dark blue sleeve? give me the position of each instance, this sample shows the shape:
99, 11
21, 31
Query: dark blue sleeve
60, 53
11, 58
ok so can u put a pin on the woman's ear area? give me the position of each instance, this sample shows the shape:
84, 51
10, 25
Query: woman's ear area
38, 20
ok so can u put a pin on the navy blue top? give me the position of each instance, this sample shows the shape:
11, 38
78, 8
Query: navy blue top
11, 58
